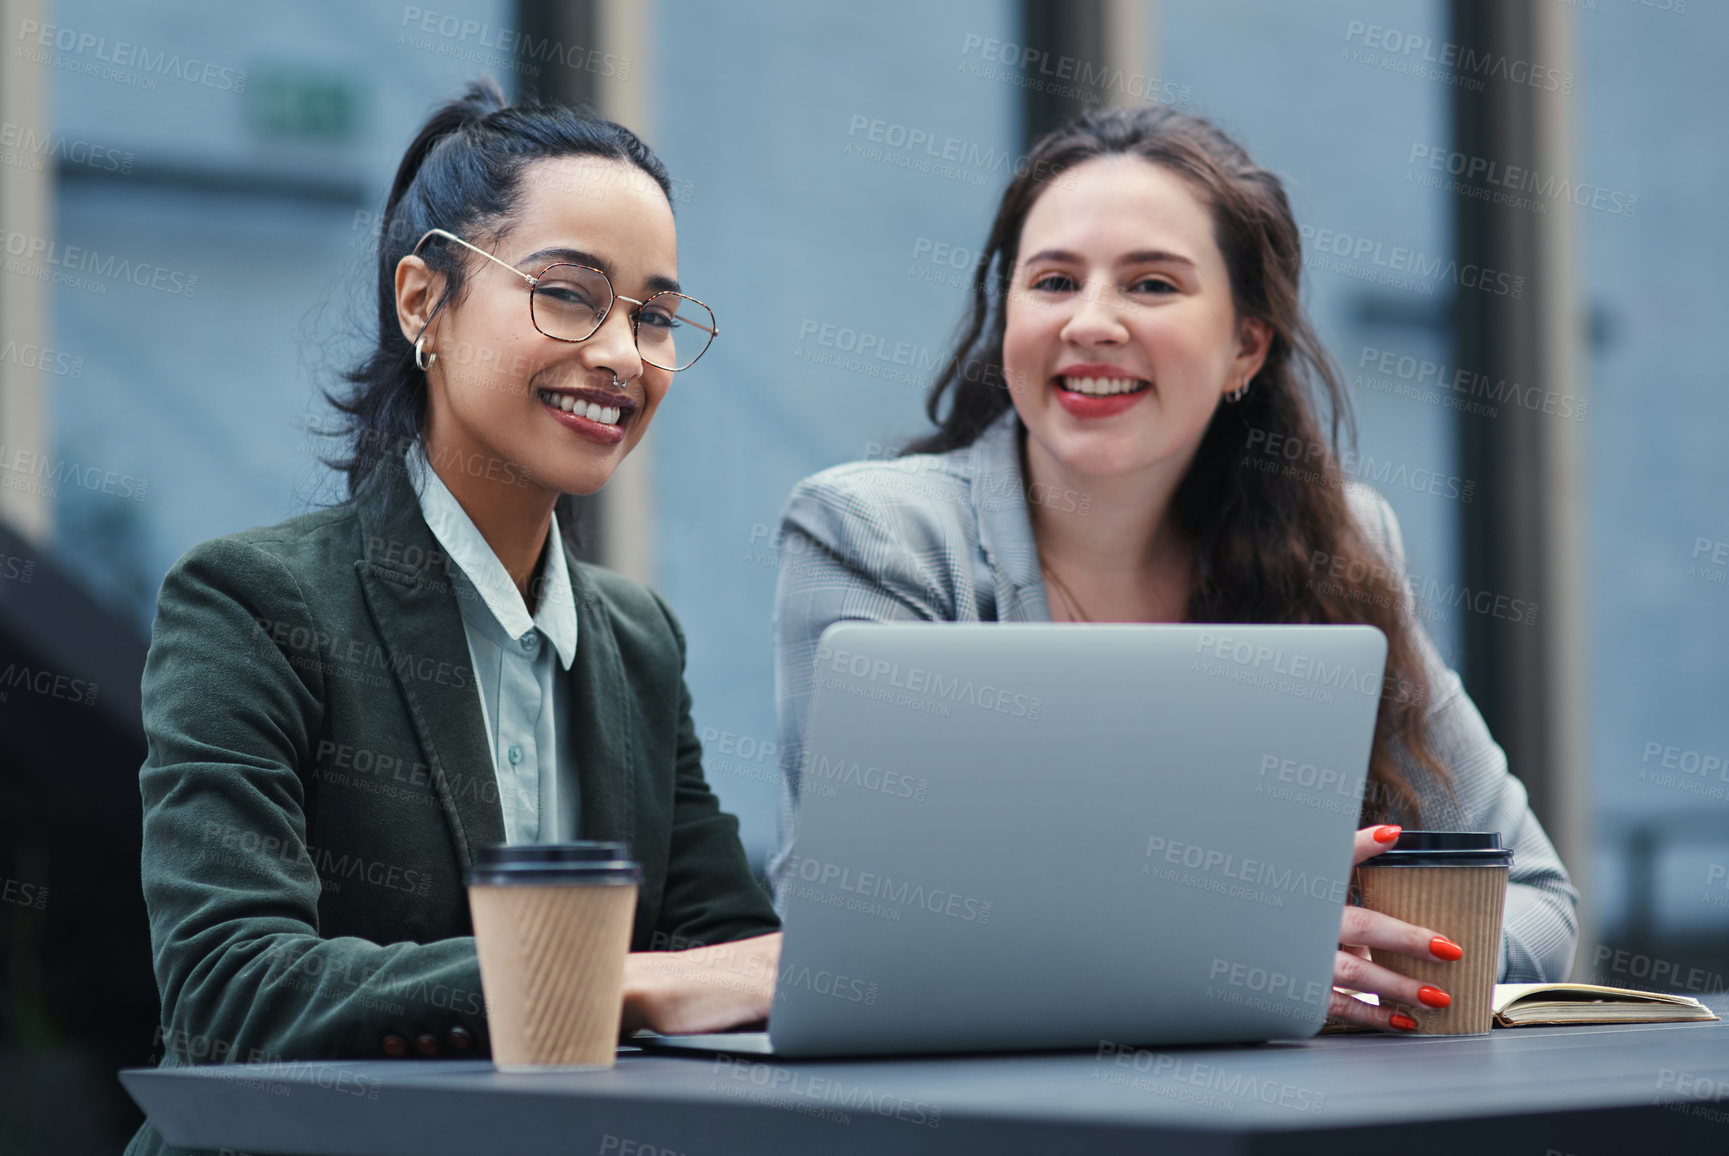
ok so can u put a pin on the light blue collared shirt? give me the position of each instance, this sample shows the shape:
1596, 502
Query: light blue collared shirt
525, 704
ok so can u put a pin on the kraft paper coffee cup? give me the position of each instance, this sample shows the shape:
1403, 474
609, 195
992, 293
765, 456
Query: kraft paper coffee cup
1455, 883
552, 925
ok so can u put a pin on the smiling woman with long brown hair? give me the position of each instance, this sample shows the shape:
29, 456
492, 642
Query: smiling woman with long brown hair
341, 709
1138, 296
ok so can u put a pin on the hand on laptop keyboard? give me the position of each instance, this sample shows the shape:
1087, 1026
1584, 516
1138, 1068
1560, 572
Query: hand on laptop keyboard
705, 989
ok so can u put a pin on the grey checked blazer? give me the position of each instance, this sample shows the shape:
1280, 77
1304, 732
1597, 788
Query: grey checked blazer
946, 538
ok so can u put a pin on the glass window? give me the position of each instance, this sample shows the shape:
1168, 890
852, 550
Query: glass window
1653, 166
836, 177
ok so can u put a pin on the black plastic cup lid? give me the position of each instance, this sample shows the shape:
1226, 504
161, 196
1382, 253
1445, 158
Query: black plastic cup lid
1444, 849
537, 863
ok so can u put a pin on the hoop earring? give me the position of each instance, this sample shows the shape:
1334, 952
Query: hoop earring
419, 349
1236, 395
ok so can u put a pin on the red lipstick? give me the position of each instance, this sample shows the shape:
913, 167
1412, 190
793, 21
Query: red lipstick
1087, 405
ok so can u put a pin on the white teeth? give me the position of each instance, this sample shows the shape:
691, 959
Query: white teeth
603, 415
1100, 386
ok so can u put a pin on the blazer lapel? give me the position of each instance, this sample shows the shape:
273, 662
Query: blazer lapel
1005, 523
602, 716
402, 574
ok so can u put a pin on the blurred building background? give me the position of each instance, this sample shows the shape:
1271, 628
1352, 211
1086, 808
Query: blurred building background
188, 193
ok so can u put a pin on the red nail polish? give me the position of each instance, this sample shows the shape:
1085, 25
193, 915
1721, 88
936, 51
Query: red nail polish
1403, 1023
1433, 997
1387, 833
1443, 948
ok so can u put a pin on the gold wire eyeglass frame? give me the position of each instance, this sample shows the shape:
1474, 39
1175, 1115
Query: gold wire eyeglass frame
534, 280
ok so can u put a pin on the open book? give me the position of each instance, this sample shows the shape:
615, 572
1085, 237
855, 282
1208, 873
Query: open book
1524, 1004
1519, 1005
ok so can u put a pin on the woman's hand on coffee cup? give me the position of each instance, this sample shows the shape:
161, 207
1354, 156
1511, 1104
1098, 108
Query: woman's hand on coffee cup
1359, 930
704, 989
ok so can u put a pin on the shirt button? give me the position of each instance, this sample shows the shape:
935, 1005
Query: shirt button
528, 641
515, 754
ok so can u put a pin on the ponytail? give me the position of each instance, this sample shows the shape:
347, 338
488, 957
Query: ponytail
479, 100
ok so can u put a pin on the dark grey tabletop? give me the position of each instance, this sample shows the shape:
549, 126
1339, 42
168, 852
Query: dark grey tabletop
1564, 1091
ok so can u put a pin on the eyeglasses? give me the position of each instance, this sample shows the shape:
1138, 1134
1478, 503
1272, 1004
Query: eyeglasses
570, 302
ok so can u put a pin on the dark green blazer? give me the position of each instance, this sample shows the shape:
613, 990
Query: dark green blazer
319, 778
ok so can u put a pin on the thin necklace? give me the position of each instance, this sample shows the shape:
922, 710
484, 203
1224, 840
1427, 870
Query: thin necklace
1063, 589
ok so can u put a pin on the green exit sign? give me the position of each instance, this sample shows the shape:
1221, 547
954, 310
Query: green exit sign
303, 104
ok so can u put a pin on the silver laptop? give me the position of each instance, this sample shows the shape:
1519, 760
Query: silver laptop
1047, 836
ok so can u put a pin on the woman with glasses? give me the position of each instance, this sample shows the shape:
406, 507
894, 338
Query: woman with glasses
1125, 433
342, 708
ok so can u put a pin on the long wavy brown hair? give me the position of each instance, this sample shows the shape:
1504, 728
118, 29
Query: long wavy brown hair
1274, 537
